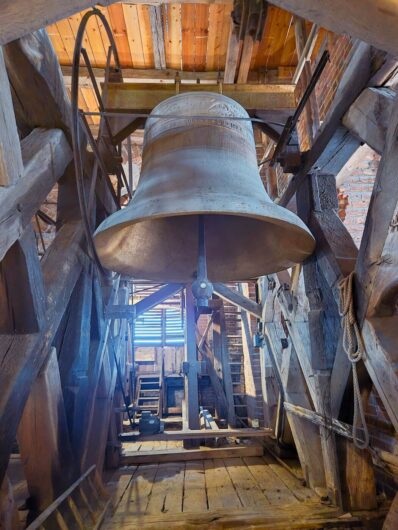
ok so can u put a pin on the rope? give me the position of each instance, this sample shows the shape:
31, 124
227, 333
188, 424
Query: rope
355, 350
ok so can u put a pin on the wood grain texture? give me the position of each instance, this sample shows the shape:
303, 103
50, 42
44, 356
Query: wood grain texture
21, 356
11, 167
46, 155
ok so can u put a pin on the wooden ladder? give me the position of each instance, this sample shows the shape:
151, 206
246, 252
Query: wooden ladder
80, 506
233, 330
148, 393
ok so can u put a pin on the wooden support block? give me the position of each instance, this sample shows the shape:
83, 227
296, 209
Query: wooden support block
357, 477
369, 116
187, 455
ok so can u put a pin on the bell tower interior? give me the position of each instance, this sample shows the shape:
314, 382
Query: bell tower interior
198, 211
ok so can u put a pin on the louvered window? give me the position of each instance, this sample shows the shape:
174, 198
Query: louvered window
159, 327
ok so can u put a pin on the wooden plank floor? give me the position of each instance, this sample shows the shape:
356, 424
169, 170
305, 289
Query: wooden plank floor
220, 493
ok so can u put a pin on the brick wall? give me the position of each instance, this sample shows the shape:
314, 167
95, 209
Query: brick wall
354, 185
339, 48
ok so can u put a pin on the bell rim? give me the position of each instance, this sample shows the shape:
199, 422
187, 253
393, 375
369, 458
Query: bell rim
295, 222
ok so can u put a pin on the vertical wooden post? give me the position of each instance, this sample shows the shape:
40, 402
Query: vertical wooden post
8, 511
221, 360
191, 395
248, 355
319, 192
44, 439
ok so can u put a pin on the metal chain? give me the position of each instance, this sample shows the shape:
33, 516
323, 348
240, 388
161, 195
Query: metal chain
354, 347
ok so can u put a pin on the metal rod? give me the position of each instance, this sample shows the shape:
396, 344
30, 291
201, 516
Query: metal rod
117, 114
292, 120
202, 265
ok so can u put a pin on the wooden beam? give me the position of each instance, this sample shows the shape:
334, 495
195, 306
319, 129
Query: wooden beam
155, 14
43, 438
233, 49
149, 75
22, 300
221, 404
376, 276
143, 97
305, 435
130, 458
237, 299
46, 155
21, 356
191, 395
74, 352
221, 361
353, 81
11, 166
156, 298
248, 360
369, 116
371, 21
246, 58
198, 434
39, 93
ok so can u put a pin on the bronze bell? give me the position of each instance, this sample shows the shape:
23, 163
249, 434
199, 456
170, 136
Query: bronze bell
203, 167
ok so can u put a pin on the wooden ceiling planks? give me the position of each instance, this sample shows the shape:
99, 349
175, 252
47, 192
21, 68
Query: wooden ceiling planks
172, 31
195, 35
217, 42
277, 47
195, 23
119, 30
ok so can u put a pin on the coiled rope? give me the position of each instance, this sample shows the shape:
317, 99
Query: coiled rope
354, 347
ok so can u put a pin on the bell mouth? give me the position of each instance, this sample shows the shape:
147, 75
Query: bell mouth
238, 247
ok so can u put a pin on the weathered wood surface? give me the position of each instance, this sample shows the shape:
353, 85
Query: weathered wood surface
237, 299
391, 521
73, 343
372, 21
290, 374
11, 167
103, 403
46, 155
232, 57
186, 455
369, 116
221, 361
248, 359
155, 14
145, 96
353, 81
39, 94
21, 356
22, 300
191, 395
376, 276
43, 437
197, 434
